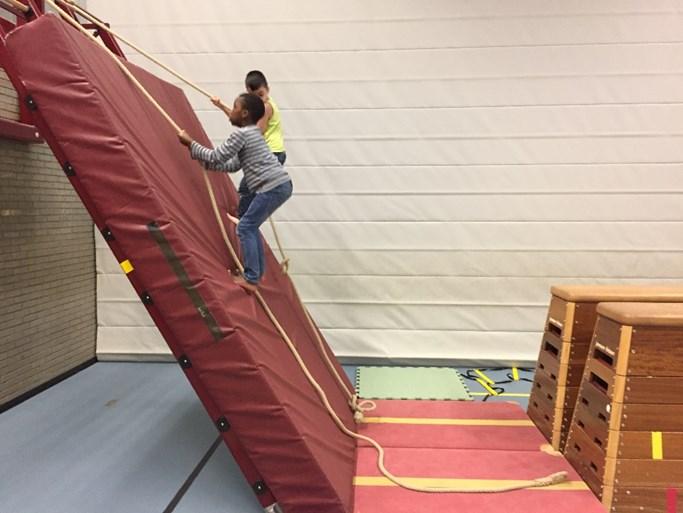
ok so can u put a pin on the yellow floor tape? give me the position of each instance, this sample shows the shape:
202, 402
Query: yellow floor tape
464, 483
504, 394
449, 422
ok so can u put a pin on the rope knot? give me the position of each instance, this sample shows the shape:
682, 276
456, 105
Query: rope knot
359, 407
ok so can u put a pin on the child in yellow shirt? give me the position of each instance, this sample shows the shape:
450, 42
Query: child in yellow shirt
270, 125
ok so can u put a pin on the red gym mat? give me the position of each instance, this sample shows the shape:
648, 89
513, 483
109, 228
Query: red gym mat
452, 425
457, 467
448, 453
149, 200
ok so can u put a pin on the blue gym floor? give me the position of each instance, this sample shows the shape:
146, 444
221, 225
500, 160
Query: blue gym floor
131, 438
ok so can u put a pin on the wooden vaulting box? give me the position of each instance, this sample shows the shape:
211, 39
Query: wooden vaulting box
626, 436
564, 348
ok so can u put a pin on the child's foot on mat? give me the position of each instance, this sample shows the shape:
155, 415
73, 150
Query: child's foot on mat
246, 285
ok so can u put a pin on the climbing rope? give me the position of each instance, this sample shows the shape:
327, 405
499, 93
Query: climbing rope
284, 259
284, 263
354, 403
16, 4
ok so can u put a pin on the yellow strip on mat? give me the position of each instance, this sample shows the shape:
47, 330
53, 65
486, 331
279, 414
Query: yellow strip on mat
515, 374
504, 394
126, 266
484, 377
486, 386
657, 446
448, 422
473, 484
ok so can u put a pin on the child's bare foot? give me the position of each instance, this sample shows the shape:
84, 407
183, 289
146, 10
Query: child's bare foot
246, 285
233, 219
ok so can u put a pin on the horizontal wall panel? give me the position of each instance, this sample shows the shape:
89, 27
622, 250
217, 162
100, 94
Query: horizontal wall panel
438, 289
375, 315
106, 263
336, 35
599, 120
481, 236
452, 63
421, 317
454, 207
508, 179
125, 313
385, 289
393, 345
452, 149
320, 93
177, 12
399, 346
131, 341
443, 236
557, 265
554, 265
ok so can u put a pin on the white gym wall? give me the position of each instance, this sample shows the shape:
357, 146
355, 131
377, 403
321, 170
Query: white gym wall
451, 159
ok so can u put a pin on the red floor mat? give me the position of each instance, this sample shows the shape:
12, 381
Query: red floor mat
457, 455
460, 425
374, 494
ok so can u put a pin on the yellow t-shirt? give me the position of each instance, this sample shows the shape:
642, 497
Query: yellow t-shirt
273, 134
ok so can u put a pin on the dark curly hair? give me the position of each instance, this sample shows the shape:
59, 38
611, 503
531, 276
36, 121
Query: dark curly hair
253, 104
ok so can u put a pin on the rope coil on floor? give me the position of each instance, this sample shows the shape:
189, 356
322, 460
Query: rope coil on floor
354, 403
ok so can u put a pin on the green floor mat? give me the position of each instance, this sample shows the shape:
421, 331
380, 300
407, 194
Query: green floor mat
411, 383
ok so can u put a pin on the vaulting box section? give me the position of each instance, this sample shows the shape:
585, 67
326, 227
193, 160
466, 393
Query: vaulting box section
564, 349
626, 436
148, 197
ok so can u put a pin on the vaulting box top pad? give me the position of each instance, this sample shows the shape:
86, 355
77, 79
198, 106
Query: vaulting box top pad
137, 180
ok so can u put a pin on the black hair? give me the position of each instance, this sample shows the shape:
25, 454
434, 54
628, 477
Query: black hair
253, 104
255, 80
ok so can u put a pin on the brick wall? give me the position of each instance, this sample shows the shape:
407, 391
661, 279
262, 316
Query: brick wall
47, 266
9, 107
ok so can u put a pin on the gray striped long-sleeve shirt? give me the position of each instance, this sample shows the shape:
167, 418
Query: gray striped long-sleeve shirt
245, 149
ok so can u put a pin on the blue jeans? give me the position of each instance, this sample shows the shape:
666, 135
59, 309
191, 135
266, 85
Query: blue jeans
259, 208
245, 195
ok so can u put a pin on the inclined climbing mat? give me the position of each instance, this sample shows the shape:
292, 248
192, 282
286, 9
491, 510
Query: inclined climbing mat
411, 383
468, 445
149, 200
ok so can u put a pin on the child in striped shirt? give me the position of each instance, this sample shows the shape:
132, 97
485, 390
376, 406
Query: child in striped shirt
270, 184
270, 125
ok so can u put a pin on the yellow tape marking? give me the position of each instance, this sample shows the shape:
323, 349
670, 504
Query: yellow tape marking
486, 386
449, 422
515, 374
126, 266
470, 484
504, 394
484, 377
657, 446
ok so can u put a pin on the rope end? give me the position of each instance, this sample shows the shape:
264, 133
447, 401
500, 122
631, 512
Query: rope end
559, 477
552, 479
